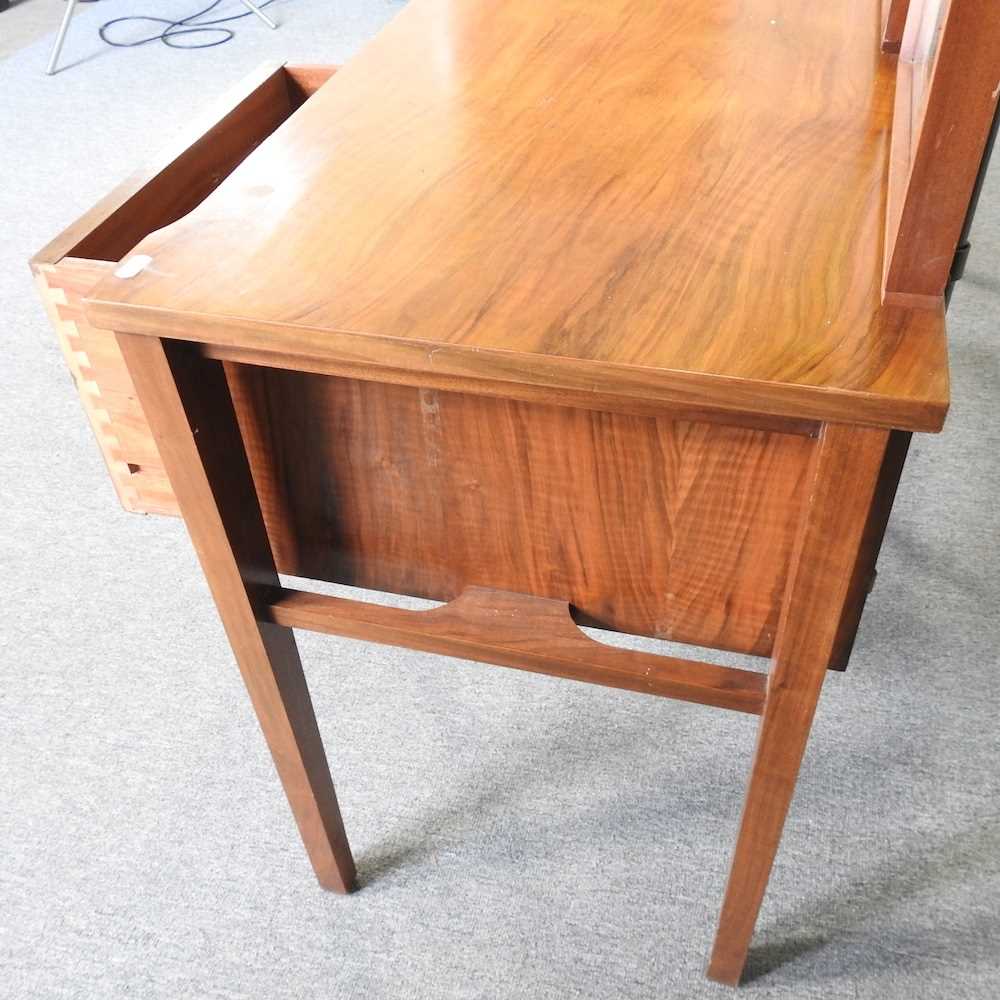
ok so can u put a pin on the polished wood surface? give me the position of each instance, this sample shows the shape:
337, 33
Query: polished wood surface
612, 313
864, 574
524, 632
532, 378
179, 176
845, 468
677, 201
191, 414
534, 499
304, 79
105, 387
168, 186
946, 97
575, 396
893, 21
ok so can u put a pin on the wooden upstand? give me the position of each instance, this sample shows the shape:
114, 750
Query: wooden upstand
563, 313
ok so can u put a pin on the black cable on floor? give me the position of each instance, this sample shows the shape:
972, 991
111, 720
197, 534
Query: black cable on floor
190, 25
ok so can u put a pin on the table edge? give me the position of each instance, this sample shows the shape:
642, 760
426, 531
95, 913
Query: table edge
548, 376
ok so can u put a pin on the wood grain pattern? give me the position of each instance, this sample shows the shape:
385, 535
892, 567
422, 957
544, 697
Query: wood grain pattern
629, 197
845, 469
179, 176
893, 22
575, 397
864, 573
587, 300
303, 80
105, 388
191, 415
680, 530
541, 378
527, 633
945, 104
168, 186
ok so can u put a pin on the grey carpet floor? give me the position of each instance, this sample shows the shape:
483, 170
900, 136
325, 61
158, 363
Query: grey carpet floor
516, 836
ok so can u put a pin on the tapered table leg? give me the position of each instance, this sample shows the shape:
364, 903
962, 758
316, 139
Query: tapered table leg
844, 470
187, 403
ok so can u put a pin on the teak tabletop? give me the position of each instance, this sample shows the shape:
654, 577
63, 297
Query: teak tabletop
676, 201
615, 313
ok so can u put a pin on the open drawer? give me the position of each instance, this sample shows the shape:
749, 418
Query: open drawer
166, 189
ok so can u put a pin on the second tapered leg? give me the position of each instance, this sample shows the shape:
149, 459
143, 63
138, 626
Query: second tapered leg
843, 473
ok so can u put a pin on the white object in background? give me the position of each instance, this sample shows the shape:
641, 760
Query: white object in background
71, 5
61, 37
256, 10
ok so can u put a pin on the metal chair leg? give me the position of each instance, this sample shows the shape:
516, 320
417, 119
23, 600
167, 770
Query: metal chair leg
61, 37
256, 10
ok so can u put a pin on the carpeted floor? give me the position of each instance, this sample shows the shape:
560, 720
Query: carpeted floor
26, 20
517, 837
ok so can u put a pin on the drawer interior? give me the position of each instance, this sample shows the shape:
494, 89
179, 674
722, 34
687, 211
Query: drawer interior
165, 189
181, 177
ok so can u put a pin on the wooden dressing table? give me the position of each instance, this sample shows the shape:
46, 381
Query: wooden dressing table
609, 313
